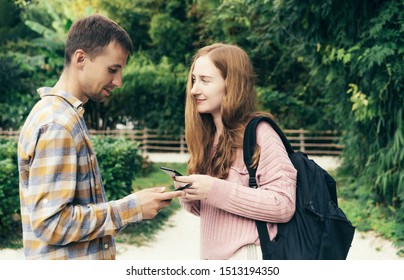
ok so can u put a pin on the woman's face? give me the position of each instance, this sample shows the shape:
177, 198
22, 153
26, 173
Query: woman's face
208, 87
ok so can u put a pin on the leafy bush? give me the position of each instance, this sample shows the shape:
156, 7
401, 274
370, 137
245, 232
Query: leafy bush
10, 225
119, 162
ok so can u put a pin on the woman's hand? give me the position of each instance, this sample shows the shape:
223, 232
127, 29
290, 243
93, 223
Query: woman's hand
199, 189
178, 184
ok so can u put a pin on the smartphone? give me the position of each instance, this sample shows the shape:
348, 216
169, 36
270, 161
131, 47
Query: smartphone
172, 173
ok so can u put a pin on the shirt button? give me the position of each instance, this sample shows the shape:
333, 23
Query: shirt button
106, 246
80, 108
96, 187
45, 201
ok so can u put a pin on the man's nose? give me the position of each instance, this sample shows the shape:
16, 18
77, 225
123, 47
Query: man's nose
117, 80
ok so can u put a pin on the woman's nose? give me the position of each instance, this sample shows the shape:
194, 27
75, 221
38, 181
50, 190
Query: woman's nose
195, 89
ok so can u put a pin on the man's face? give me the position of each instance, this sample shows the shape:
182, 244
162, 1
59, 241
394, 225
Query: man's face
103, 73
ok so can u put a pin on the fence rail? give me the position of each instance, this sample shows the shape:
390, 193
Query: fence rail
322, 142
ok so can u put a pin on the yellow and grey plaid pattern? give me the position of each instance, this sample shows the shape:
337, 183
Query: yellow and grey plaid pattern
64, 211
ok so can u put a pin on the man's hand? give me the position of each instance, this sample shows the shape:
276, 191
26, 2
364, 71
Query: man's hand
153, 199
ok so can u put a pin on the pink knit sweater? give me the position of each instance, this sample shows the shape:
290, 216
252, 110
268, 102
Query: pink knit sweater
227, 214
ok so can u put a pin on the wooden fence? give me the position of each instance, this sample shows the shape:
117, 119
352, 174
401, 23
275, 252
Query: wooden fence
311, 142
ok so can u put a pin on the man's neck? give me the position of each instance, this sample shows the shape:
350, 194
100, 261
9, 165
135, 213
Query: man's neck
68, 83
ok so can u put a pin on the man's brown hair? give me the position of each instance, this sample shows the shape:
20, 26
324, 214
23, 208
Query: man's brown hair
92, 34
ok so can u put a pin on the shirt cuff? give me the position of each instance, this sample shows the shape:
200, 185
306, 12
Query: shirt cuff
130, 209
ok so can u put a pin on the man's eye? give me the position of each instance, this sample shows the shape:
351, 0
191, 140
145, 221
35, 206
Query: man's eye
112, 71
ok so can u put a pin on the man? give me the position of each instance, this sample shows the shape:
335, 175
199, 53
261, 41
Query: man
64, 211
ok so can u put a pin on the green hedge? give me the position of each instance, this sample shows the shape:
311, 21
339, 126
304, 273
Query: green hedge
119, 163
10, 225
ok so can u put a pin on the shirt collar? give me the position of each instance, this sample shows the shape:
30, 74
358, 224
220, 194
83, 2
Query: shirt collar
75, 102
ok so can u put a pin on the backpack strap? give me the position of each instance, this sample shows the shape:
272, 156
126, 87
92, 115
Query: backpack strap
249, 146
250, 137
250, 143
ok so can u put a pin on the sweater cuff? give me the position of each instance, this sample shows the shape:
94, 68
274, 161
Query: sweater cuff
219, 192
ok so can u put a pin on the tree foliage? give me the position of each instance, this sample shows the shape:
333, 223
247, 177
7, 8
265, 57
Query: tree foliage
153, 95
350, 55
154, 83
330, 64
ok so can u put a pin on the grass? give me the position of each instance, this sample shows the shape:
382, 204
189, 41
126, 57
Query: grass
365, 215
156, 177
368, 217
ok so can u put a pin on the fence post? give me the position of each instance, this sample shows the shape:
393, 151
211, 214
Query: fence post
144, 140
301, 140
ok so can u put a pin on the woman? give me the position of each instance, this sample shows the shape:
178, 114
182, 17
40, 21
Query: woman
220, 102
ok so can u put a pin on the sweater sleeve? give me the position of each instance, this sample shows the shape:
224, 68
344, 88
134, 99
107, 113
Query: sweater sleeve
192, 207
274, 199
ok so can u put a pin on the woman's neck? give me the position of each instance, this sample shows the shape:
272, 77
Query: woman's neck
219, 129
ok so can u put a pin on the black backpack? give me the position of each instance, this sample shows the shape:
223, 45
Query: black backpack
319, 229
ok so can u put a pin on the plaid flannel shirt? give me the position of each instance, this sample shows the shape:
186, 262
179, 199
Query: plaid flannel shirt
64, 211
